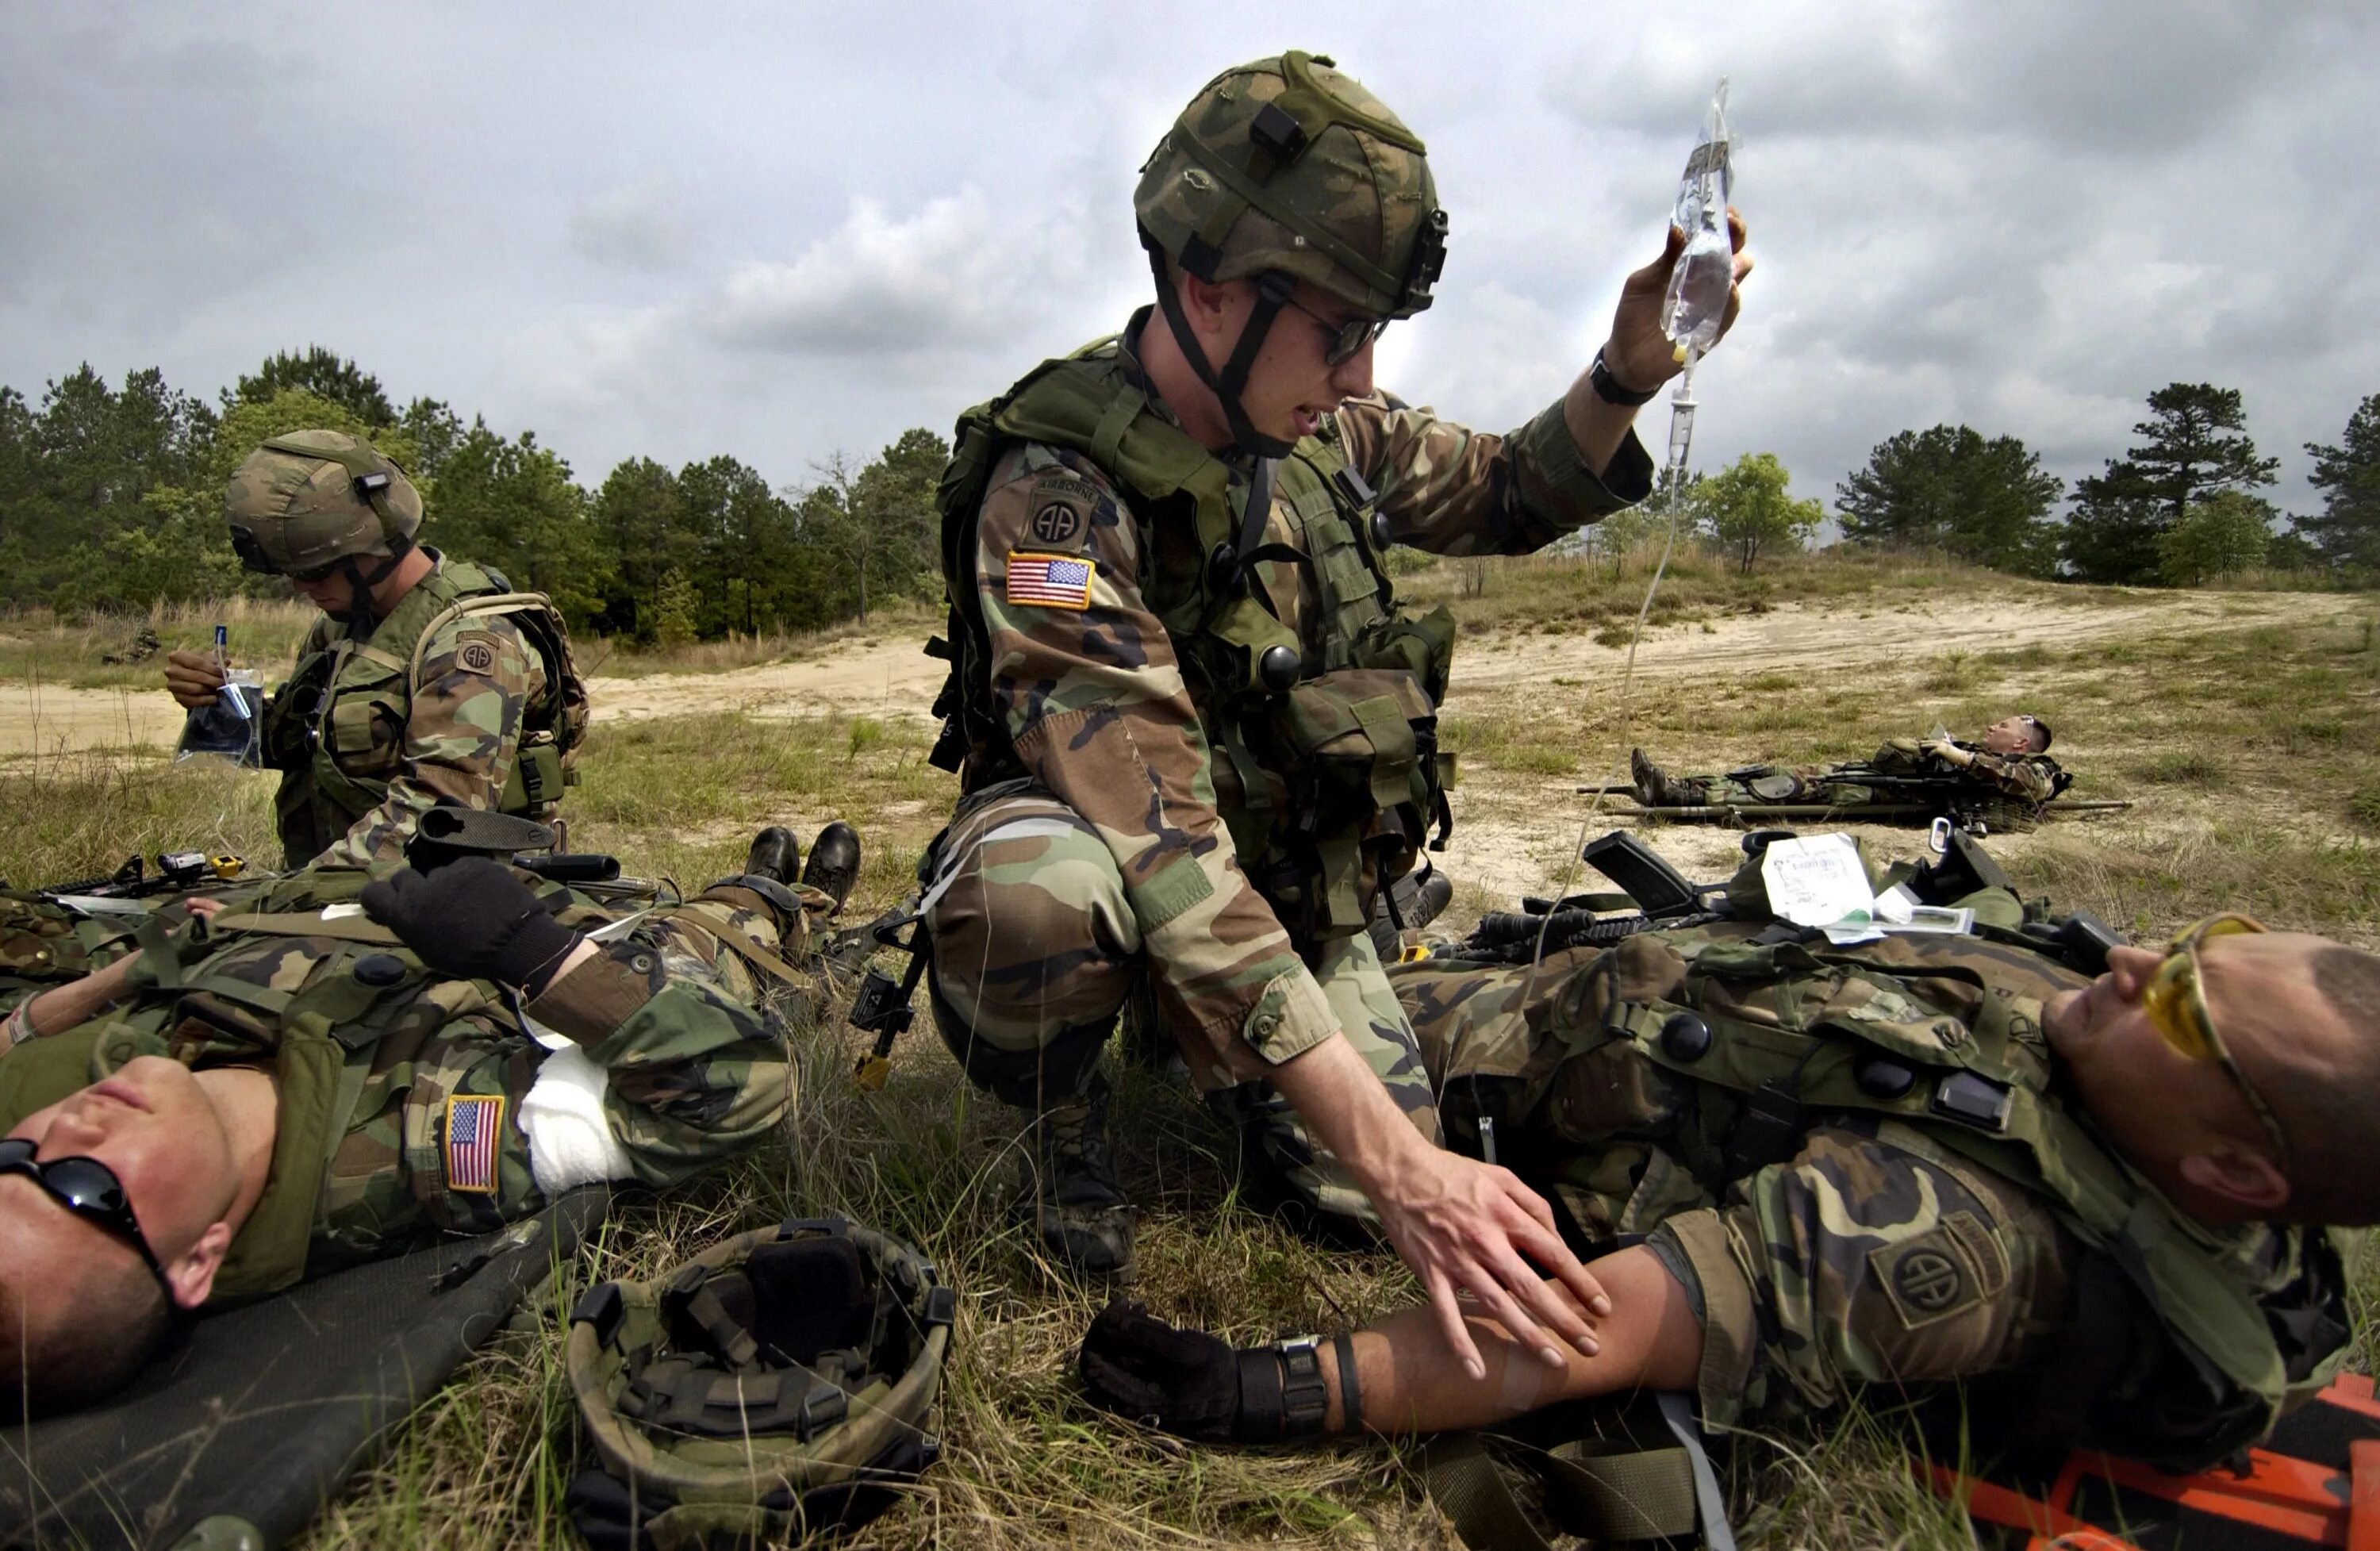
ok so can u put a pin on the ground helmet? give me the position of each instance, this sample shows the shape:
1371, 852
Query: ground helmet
1285, 170
775, 1386
312, 503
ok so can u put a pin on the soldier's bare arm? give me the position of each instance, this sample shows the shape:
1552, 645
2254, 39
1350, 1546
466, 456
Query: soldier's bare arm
478, 679
1411, 1383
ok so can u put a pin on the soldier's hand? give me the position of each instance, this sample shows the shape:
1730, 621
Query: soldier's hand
474, 920
1463, 1227
1638, 354
192, 679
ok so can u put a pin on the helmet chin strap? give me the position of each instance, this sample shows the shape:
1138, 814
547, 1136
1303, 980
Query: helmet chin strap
1273, 287
359, 616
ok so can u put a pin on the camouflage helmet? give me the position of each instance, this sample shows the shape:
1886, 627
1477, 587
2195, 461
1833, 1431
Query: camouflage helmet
1287, 164
774, 1386
308, 498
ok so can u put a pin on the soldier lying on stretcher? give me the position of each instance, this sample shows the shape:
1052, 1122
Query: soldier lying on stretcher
2010, 763
1917, 1158
168, 1118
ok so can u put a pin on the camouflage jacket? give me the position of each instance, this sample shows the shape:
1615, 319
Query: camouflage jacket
2028, 778
365, 743
400, 1091
1914, 1199
1063, 573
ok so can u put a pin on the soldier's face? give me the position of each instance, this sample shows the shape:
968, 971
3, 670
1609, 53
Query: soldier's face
2010, 735
156, 1131
2157, 1104
1292, 383
333, 594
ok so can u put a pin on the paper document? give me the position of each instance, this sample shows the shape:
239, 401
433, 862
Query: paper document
1817, 881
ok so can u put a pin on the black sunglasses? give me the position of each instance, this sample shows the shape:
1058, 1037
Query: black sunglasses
90, 1190
1345, 339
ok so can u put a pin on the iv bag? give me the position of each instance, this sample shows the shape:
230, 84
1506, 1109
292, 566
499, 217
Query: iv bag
1696, 300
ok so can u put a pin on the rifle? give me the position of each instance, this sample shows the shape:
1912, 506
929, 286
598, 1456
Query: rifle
177, 870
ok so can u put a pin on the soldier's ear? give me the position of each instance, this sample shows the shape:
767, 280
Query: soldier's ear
2245, 1179
191, 1274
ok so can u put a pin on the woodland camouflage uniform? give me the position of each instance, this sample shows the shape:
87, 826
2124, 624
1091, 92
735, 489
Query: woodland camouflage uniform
1878, 1241
1129, 809
464, 692
2020, 782
690, 1031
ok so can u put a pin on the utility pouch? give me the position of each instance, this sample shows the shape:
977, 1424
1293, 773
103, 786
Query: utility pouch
365, 735
536, 780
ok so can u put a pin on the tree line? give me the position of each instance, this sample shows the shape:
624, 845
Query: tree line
2180, 508
112, 498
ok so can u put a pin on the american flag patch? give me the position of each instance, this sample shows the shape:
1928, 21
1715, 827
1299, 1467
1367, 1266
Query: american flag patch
474, 1126
1050, 581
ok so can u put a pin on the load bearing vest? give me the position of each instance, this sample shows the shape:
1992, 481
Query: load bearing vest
1793, 1036
337, 728
1333, 745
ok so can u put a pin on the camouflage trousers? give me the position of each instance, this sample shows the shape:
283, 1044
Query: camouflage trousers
1036, 950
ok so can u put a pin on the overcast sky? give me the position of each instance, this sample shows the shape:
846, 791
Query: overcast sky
776, 231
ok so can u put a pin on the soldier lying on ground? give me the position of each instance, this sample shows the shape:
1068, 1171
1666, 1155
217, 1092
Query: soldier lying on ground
169, 1116
1966, 1159
427, 679
2011, 763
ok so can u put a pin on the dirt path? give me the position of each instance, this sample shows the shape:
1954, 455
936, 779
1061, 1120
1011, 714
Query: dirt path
895, 678
1835, 635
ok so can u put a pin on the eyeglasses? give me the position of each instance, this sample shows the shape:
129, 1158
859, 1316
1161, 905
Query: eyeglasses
2176, 1006
1345, 339
253, 559
90, 1190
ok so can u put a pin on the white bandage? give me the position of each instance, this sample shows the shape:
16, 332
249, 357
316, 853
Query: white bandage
570, 1140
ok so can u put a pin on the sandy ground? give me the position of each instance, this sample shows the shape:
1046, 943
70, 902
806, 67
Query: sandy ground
895, 677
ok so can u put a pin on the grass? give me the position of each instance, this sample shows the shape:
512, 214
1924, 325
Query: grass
1571, 594
2248, 744
36, 645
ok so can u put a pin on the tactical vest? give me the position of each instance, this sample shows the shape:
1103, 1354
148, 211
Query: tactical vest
1326, 759
336, 729
1772, 1039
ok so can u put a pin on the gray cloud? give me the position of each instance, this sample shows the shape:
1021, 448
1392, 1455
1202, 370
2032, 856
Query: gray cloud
781, 232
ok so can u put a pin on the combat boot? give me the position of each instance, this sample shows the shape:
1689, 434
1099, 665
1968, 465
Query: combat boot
1419, 899
1072, 1198
775, 855
834, 865
1655, 789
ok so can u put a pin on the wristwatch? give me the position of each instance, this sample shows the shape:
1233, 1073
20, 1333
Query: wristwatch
1305, 1403
1607, 387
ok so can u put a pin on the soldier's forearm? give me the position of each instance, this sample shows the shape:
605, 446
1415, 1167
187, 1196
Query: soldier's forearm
1411, 1381
64, 1007
1346, 1106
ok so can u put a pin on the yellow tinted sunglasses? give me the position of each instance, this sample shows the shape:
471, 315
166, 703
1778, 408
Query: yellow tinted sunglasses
2176, 1006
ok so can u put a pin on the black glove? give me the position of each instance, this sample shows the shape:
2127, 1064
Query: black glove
473, 920
1186, 1382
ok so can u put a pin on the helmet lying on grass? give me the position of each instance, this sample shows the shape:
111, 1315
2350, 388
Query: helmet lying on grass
775, 1386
